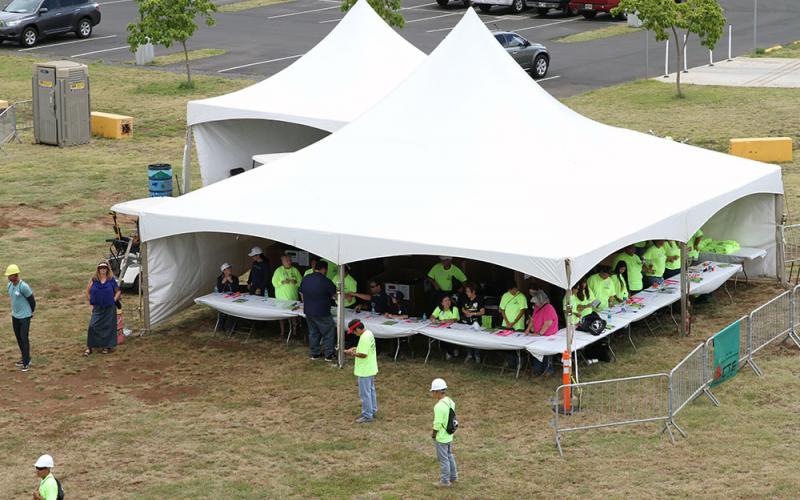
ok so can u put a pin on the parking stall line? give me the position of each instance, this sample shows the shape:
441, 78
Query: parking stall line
420, 7
433, 17
303, 12
39, 47
493, 20
99, 51
260, 62
549, 24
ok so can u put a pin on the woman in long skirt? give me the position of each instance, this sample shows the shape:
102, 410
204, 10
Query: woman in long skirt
102, 293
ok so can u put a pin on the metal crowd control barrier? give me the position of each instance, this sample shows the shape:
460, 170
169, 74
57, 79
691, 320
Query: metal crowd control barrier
795, 316
689, 379
24, 114
790, 234
8, 125
615, 402
768, 323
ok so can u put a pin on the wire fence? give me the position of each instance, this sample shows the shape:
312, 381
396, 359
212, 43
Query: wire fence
14, 119
24, 112
659, 397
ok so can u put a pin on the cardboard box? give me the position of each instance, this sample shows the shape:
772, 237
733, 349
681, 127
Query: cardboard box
768, 149
112, 126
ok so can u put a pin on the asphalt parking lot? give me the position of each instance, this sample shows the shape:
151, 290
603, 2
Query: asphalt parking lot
260, 42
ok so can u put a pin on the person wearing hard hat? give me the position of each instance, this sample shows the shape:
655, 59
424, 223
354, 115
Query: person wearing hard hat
23, 304
258, 280
48, 485
448, 472
366, 367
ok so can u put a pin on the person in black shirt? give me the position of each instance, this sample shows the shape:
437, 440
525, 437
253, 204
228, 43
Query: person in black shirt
260, 274
226, 283
377, 298
472, 312
317, 291
397, 308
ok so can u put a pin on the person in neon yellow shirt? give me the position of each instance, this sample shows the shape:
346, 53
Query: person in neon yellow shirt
448, 470
446, 313
366, 367
693, 246
672, 266
441, 275
620, 281
48, 486
286, 282
333, 271
603, 288
633, 263
350, 287
655, 260
582, 301
513, 306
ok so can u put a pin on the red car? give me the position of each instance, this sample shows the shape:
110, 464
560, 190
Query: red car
590, 8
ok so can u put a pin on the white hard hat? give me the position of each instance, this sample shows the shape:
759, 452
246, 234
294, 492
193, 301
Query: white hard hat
438, 384
255, 251
44, 461
224, 266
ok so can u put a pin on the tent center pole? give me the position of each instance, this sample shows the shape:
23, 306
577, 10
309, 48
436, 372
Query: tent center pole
340, 317
686, 326
567, 357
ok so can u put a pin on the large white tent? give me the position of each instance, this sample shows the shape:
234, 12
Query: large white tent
349, 71
468, 157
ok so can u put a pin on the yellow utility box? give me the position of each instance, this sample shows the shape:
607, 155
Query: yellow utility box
112, 126
763, 148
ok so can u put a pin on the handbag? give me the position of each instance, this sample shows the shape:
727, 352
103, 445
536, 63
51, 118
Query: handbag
120, 327
592, 323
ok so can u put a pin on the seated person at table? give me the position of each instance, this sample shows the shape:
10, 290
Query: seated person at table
350, 288
603, 288
693, 247
582, 300
441, 276
543, 322
472, 312
672, 266
258, 281
633, 263
655, 260
446, 313
619, 278
397, 308
286, 280
226, 282
513, 306
376, 298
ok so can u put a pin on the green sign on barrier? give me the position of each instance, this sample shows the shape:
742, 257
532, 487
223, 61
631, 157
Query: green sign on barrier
726, 353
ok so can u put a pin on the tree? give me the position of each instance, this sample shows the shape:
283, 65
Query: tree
389, 10
163, 22
701, 17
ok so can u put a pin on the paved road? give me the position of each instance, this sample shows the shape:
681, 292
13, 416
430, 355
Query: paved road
261, 42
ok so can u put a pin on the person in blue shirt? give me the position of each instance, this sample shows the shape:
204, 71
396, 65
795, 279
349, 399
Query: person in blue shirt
22, 306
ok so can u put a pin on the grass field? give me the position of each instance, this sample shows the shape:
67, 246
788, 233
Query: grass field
180, 414
598, 34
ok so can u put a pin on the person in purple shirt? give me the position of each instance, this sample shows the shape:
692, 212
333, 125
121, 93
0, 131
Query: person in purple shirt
317, 292
102, 292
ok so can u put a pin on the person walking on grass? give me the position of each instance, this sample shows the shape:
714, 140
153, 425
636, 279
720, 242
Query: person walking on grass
48, 485
22, 306
102, 292
366, 367
443, 428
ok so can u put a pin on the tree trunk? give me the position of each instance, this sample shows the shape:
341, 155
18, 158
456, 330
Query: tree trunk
679, 58
188, 71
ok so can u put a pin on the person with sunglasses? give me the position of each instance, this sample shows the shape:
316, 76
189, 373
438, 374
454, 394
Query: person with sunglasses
48, 485
102, 292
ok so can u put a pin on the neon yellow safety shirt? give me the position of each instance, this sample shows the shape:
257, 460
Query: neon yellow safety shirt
603, 289
350, 286
441, 414
574, 318
48, 488
286, 291
657, 258
444, 277
620, 287
692, 250
366, 367
451, 315
512, 305
577, 302
672, 249
634, 271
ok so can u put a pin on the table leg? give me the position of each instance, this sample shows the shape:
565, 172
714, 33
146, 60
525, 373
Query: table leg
672, 315
575, 364
289, 334
630, 337
430, 343
519, 361
725, 286
397, 351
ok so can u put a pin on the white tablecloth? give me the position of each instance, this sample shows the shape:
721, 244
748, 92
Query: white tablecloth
649, 301
386, 328
466, 335
741, 255
252, 307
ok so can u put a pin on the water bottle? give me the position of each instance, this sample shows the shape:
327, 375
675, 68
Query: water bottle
424, 317
608, 315
373, 307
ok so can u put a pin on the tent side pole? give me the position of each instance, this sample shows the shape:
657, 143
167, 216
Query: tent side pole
685, 322
340, 317
780, 264
567, 357
187, 160
144, 287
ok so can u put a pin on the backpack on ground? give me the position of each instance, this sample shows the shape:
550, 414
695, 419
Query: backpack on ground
452, 422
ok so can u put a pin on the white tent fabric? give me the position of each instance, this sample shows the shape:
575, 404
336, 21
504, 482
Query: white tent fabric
539, 184
350, 70
135, 207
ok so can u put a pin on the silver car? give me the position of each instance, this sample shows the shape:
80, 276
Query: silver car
533, 57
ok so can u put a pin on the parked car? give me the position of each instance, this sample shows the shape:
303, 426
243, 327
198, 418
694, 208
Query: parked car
533, 57
443, 3
28, 21
590, 8
516, 6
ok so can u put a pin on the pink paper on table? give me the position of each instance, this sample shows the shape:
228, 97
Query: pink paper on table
504, 333
670, 282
